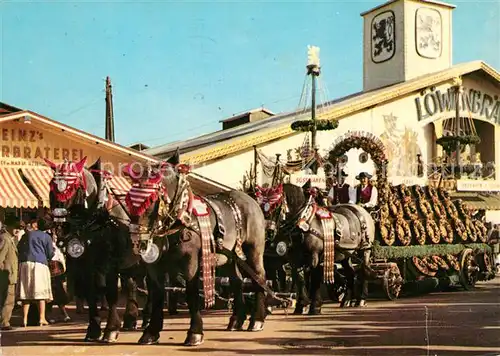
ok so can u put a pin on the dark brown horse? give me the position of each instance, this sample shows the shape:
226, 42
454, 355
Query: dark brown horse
303, 230
174, 229
94, 234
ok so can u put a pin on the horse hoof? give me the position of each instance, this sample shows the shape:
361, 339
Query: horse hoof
92, 338
256, 326
145, 324
110, 337
148, 339
314, 311
361, 303
92, 335
129, 326
298, 310
345, 304
235, 324
269, 310
193, 339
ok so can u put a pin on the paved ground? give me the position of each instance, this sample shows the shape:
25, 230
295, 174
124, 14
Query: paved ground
453, 323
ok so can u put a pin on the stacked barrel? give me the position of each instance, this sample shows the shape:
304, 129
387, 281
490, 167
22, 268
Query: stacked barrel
427, 217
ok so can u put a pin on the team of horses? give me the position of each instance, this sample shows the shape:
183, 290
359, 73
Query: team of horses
162, 227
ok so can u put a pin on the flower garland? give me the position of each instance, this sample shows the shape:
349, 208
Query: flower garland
440, 262
419, 232
433, 266
471, 230
387, 233
395, 252
460, 229
384, 212
448, 235
422, 267
453, 262
308, 125
433, 232
461, 209
482, 231
439, 209
371, 145
403, 231
450, 208
449, 143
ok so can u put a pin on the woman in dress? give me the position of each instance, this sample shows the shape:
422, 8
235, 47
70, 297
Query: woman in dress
57, 267
35, 251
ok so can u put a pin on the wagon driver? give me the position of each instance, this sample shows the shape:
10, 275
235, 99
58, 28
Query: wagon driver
366, 193
341, 192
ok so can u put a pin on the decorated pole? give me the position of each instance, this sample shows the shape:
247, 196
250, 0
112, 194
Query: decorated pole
255, 162
313, 69
458, 89
277, 171
313, 125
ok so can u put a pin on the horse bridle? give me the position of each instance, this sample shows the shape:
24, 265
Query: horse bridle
165, 221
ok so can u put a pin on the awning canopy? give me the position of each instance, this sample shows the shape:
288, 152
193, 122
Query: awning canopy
119, 185
13, 191
478, 201
39, 178
205, 186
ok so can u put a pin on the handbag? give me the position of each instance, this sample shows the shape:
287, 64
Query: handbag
56, 268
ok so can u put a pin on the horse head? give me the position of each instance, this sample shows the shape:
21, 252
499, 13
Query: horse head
269, 198
72, 188
159, 200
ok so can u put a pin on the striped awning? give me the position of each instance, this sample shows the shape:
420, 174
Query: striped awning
205, 186
39, 178
119, 185
13, 191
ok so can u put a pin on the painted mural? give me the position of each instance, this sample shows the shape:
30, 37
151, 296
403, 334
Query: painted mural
402, 147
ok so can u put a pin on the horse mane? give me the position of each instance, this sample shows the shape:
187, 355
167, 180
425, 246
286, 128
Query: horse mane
295, 197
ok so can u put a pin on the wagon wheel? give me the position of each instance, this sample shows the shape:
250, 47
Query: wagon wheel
485, 263
392, 282
469, 270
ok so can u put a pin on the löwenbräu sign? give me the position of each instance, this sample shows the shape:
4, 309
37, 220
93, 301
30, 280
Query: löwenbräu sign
472, 100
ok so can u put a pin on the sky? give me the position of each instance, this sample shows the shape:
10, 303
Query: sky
178, 67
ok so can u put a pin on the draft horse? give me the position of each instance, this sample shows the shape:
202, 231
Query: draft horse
314, 238
177, 230
92, 229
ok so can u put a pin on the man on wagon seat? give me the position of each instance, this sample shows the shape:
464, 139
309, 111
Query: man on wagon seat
366, 193
341, 192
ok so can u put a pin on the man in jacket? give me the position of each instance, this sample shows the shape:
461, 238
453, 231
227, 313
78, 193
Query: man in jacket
8, 277
366, 193
341, 193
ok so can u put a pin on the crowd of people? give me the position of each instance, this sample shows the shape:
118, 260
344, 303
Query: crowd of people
32, 272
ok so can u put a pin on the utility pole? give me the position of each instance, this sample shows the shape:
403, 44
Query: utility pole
110, 121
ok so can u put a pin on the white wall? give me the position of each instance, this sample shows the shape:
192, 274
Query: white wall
396, 123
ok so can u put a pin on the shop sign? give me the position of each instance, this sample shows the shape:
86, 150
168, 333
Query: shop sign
19, 144
408, 180
301, 178
473, 101
465, 185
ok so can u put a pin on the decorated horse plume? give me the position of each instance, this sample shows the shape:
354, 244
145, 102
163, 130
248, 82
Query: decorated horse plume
68, 177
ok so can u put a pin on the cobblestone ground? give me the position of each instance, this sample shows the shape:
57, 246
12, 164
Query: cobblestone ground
448, 323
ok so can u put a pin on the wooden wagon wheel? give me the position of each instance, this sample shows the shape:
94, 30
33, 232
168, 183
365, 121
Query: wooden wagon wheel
469, 270
485, 263
392, 282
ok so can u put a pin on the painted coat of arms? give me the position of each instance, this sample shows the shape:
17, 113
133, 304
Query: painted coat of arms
428, 33
383, 37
